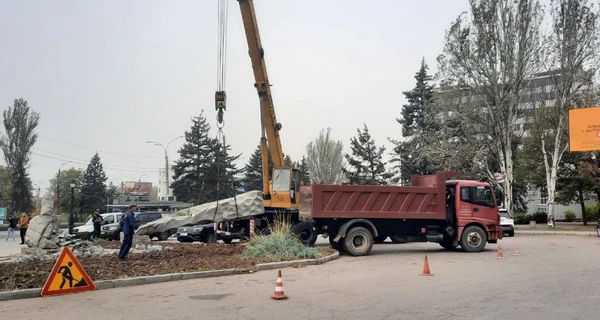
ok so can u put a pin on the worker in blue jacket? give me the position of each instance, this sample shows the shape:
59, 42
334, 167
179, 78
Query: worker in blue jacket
129, 227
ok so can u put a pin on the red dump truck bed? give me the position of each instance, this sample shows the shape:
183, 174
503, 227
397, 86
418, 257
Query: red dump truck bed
424, 199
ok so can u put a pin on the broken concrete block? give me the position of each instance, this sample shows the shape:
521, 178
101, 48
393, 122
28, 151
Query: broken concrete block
241, 206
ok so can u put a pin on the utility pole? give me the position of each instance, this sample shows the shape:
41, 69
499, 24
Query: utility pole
166, 161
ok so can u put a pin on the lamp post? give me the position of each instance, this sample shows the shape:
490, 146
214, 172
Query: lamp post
166, 160
71, 217
57, 206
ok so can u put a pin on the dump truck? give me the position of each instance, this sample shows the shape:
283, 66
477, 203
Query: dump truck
434, 208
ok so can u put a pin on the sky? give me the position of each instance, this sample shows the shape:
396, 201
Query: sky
107, 76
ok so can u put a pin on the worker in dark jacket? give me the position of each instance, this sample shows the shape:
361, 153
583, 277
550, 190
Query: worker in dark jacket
129, 227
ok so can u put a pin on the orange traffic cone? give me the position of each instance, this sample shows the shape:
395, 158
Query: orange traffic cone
499, 255
517, 252
279, 294
426, 271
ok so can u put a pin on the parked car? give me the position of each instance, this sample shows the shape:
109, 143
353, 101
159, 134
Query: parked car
507, 222
110, 230
200, 233
86, 231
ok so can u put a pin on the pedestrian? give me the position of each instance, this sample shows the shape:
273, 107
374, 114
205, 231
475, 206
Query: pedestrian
129, 227
12, 226
97, 224
23, 224
117, 234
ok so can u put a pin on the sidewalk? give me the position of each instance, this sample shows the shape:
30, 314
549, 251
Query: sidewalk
10, 247
557, 232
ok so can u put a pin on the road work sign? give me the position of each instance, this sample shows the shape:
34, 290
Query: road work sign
67, 276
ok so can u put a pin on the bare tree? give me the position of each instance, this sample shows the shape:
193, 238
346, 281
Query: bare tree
325, 159
494, 55
573, 57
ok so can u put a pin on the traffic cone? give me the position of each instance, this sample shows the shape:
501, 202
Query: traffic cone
426, 271
279, 294
517, 252
499, 255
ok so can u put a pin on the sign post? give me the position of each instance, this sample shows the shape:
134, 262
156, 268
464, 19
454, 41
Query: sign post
67, 276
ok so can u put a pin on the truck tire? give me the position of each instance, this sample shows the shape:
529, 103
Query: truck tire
358, 241
473, 239
397, 239
164, 236
306, 233
448, 245
380, 239
336, 245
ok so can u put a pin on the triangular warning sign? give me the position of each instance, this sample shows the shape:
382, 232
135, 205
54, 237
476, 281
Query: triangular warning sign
67, 276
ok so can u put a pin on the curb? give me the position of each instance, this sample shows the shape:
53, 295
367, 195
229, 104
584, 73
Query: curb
560, 233
128, 282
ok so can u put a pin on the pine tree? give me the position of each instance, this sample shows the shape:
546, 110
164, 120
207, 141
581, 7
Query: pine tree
93, 188
222, 174
253, 171
406, 153
366, 164
192, 169
304, 174
287, 160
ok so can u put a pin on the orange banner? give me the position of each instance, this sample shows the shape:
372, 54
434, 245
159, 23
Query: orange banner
584, 129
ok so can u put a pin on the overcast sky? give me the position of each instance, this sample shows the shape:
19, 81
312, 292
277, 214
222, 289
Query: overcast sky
108, 75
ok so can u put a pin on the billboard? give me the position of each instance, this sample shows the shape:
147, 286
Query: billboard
2, 213
584, 129
136, 188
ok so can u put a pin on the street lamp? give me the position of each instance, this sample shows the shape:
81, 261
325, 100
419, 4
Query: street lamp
166, 159
57, 206
71, 217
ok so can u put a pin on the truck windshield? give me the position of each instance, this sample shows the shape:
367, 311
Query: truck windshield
480, 195
281, 180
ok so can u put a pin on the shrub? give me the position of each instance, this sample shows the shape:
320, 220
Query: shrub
279, 244
522, 218
540, 217
591, 212
570, 216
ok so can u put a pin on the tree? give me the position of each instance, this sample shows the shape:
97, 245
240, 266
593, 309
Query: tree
20, 123
203, 162
63, 184
304, 173
325, 159
287, 160
493, 56
93, 186
253, 179
572, 45
5, 186
407, 154
365, 162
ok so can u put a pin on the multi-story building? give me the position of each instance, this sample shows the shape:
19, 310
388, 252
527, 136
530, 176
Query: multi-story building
541, 92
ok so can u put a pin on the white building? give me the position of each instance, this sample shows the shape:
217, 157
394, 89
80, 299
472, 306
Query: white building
162, 183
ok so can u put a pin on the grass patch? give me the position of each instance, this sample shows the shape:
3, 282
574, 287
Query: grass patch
557, 229
280, 244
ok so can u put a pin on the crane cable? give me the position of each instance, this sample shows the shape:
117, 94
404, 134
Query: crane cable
221, 79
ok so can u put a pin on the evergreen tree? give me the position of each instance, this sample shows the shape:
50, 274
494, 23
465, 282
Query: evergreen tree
287, 160
406, 153
93, 188
222, 174
366, 164
203, 163
304, 174
19, 123
192, 168
253, 171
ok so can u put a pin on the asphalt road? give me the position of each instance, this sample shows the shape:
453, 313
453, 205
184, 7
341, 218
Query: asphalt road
556, 277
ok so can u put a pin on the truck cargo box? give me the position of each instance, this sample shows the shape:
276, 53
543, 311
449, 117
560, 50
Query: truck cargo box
425, 198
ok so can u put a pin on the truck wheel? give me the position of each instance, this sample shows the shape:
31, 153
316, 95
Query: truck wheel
380, 239
473, 239
358, 241
306, 233
397, 239
448, 245
335, 245
164, 236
